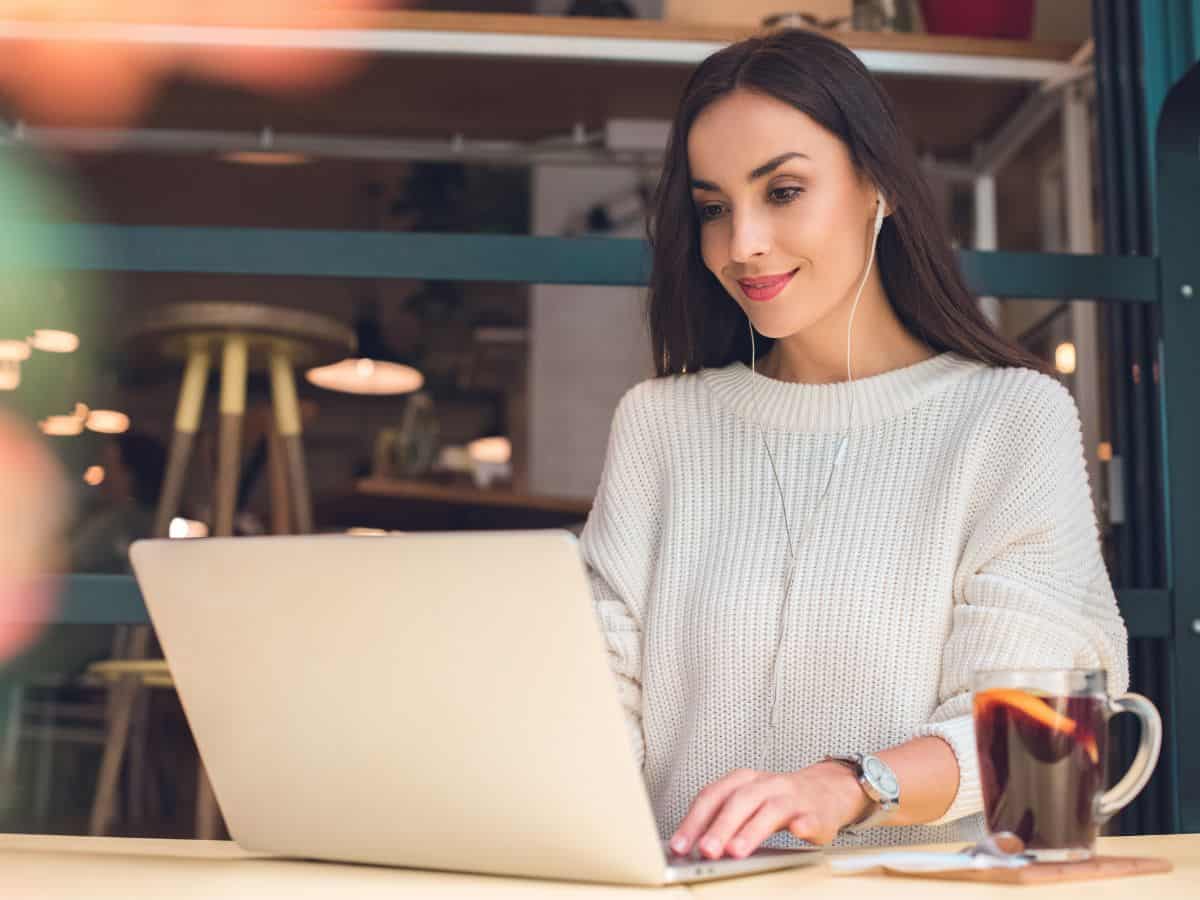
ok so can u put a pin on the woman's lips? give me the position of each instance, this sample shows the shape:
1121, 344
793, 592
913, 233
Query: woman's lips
763, 289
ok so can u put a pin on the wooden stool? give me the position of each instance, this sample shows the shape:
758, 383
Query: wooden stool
246, 335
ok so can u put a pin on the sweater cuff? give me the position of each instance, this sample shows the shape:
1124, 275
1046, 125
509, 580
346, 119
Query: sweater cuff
959, 733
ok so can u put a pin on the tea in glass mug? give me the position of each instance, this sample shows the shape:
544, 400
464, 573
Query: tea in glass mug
1042, 737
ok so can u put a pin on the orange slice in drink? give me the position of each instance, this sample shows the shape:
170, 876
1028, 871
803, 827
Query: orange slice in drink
1039, 711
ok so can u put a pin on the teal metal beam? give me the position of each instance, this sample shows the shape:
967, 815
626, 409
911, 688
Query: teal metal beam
341, 254
101, 600
484, 257
1170, 32
91, 600
1061, 276
1178, 172
116, 600
1147, 613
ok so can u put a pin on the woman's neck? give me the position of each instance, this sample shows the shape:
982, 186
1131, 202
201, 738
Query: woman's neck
817, 355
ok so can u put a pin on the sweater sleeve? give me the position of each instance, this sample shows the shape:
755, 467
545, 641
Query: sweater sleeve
620, 547
1031, 589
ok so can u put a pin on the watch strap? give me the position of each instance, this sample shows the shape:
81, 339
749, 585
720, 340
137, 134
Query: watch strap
877, 816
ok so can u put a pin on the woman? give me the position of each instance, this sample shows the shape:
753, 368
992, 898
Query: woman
808, 556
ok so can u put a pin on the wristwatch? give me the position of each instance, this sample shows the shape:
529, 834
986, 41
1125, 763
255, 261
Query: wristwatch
878, 782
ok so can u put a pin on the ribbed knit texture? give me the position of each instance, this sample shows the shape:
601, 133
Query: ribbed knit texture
957, 534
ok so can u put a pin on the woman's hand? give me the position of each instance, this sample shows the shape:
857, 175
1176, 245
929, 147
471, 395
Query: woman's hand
740, 811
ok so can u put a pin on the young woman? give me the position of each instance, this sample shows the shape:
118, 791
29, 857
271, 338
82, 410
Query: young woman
843, 493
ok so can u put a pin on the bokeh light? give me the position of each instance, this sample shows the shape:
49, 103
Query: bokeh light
97, 62
33, 514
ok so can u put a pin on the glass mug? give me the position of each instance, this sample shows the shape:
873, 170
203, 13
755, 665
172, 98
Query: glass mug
1042, 736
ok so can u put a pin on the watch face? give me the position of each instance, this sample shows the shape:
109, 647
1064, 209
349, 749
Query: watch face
880, 776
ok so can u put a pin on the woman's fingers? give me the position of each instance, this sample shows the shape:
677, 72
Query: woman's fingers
812, 828
740, 806
772, 815
706, 806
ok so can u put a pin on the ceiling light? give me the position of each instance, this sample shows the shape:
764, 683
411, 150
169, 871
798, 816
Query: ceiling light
61, 426
50, 340
366, 376
265, 154
94, 476
266, 158
376, 370
10, 374
107, 421
1064, 358
14, 351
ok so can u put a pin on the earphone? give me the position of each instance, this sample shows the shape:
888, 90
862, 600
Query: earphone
838, 458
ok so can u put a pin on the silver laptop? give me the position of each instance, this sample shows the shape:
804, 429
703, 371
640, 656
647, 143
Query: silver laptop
436, 701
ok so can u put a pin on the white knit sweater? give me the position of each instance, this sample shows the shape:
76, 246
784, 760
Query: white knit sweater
958, 533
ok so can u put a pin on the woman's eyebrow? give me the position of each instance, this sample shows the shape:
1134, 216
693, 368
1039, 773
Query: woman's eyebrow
765, 169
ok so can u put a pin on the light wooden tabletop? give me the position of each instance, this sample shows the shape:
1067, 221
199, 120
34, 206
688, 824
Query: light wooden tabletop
55, 868
1184, 882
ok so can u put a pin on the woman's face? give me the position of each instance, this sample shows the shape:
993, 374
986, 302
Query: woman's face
785, 219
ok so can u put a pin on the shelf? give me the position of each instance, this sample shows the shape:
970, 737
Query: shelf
411, 505
522, 77
560, 37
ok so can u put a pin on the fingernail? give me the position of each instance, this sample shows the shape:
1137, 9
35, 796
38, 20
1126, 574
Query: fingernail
712, 846
738, 847
679, 843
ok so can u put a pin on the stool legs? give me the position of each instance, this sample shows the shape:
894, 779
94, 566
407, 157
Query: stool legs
45, 763
281, 501
235, 359
123, 696
187, 423
233, 410
122, 699
287, 419
10, 748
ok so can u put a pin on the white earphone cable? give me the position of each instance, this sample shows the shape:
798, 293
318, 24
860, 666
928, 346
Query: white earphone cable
839, 455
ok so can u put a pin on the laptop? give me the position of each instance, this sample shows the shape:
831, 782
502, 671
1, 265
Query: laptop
430, 700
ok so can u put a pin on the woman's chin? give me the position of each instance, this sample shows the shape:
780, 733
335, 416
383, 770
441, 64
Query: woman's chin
778, 330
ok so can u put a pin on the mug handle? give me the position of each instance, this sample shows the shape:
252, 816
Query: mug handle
1119, 795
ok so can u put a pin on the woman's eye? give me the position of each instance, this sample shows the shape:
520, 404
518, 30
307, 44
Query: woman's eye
785, 194
709, 211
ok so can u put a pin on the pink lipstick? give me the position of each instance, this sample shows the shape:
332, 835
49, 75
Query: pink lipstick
765, 288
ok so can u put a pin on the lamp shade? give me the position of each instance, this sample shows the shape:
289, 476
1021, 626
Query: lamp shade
377, 369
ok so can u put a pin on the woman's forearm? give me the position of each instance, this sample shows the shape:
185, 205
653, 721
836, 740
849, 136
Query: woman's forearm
927, 770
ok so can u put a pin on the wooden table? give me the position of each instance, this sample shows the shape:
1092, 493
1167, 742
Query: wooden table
56, 868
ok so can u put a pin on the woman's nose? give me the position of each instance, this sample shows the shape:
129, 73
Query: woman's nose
748, 239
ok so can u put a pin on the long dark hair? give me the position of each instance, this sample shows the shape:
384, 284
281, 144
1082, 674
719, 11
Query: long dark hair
694, 323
